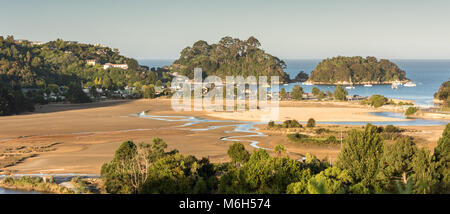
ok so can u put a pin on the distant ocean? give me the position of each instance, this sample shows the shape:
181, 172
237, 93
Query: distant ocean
427, 74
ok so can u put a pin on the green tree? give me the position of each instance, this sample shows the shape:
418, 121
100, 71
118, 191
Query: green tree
149, 91
340, 93
283, 94
297, 93
279, 149
377, 100
360, 155
442, 158
237, 153
396, 162
75, 94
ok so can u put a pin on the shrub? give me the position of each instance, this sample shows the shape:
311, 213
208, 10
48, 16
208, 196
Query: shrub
311, 123
377, 100
271, 124
291, 124
411, 111
391, 129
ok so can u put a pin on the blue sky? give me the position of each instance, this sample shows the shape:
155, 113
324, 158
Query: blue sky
287, 29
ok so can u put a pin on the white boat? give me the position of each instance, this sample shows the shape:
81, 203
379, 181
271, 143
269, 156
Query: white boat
286, 84
410, 84
350, 87
367, 85
307, 83
394, 86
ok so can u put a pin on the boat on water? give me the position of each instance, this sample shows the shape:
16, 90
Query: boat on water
410, 84
307, 83
367, 85
350, 87
286, 84
394, 86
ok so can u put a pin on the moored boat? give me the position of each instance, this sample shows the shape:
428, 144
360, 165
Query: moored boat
367, 85
410, 84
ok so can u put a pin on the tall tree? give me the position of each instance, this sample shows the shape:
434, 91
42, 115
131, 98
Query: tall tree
360, 155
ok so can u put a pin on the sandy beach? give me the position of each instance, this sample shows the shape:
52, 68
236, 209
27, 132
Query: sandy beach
79, 138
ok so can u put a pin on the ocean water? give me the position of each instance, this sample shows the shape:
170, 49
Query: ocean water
427, 74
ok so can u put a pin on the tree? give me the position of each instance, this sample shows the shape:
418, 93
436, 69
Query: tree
330, 181
442, 158
396, 162
116, 178
149, 91
411, 111
75, 94
158, 83
279, 149
377, 100
360, 155
311, 123
297, 93
316, 91
283, 94
237, 153
340, 93
106, 83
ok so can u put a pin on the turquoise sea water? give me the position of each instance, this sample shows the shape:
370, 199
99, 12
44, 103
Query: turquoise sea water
427, 74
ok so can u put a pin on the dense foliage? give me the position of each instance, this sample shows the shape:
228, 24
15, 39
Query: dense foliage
62, 62
443, 93
356, 70
366, 164
229, 57
13, 101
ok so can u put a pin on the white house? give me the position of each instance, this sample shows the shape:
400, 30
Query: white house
110, 65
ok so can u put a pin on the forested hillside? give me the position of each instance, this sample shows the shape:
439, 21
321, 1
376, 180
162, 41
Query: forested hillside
356, 70
25, 64
230, 57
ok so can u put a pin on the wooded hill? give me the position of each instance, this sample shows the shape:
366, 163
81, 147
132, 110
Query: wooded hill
229, 57
356, 70
26, 64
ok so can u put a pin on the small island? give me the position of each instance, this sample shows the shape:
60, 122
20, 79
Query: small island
356, 70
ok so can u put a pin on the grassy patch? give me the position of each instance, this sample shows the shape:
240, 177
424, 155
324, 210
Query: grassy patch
29, 183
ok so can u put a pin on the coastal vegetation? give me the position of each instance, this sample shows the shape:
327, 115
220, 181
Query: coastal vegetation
38, 184
356, 70
366, 164
411, 110
443, 93
52, 67
229, 57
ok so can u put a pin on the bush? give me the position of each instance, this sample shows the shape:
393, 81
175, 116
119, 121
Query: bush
311, 123
291, 124
391, 129
271, 124
377, 100
411, 111
297, 93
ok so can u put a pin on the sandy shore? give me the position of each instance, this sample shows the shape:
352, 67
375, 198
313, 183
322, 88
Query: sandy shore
321, 111
84, 136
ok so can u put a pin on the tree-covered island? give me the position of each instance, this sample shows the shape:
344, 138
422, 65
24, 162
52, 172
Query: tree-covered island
230, 57
356, 70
